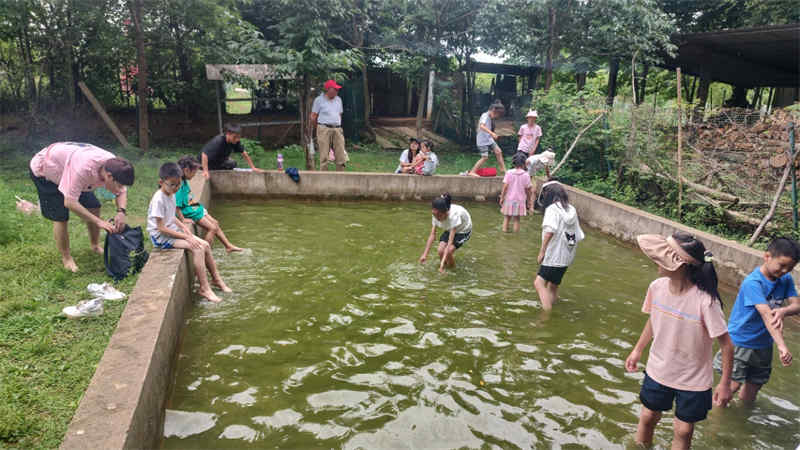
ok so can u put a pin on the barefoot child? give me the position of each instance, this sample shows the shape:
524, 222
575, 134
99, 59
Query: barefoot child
166, 231
486, 139
685, 316
457, 225
515, 198
561, 233
766, 296
190, 209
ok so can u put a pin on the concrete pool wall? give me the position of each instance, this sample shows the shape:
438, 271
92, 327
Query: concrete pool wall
123, 407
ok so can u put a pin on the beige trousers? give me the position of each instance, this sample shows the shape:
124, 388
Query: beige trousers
327, 138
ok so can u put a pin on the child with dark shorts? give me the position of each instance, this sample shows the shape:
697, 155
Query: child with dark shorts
685, 317
561, 232
457, 225
765, 297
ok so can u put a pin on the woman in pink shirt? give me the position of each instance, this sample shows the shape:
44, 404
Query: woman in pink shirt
685, 316
529, 134
65, 175
515, 198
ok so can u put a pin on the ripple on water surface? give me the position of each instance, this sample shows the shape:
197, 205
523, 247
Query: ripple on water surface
343, 340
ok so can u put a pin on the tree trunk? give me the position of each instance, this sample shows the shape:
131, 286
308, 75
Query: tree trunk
135, 7
613, 70
580, 80
410, 100
642, 84
27, 62
306, 133
367, 105
551, 44
421, 103
739, 97
185, 68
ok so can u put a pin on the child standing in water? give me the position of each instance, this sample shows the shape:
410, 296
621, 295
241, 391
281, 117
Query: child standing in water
167, 232
515, 198
765, 297
561, 233
685, 316
190, 209
457, 225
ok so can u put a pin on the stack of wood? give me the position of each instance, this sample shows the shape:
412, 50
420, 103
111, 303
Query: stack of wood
737, 164
749, 149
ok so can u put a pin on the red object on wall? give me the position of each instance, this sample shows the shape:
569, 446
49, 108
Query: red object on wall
487, 172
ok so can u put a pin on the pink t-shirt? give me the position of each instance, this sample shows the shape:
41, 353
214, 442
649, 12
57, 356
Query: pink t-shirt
74, 167
518, 182
683, 330
527, 137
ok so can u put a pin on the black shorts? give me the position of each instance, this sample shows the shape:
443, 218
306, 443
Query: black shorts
459, 239
51, 199
690, 406
552, 274
228, 164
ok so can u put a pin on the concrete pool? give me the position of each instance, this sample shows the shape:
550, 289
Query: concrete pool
131, 433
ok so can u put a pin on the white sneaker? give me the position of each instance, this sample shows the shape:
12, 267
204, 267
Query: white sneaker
86, 308
105, 291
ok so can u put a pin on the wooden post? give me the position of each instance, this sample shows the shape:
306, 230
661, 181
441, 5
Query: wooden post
100, 110
680, 153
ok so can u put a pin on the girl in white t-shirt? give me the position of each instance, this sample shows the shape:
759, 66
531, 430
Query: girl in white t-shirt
685, 317
561, 233
457, 225
407, 157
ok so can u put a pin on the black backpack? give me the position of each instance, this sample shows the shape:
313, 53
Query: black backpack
123, 251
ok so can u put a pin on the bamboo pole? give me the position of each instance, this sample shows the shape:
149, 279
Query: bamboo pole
680, 150
103, 114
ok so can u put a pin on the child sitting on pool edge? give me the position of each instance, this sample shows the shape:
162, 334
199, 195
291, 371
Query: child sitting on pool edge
166, 231
194, 211
425, 162
457, 225
685, 317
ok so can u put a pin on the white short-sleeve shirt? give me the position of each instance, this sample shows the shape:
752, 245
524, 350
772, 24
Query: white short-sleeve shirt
458, 219
329, 112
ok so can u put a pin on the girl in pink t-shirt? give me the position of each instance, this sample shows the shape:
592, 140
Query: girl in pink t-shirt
529, 134
685, 316
515, 198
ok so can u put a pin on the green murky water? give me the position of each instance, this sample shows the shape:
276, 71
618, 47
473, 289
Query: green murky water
337, 338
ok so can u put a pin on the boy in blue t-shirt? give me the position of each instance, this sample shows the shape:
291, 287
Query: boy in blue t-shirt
766, 296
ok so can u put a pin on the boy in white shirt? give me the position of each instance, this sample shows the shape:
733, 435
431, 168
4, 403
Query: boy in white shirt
167, 232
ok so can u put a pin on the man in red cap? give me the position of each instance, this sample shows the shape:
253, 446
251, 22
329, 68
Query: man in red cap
326, 117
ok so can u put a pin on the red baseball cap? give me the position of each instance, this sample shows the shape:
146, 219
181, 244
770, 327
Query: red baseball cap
331, 84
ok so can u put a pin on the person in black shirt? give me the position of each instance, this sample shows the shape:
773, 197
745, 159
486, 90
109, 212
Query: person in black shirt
216, 153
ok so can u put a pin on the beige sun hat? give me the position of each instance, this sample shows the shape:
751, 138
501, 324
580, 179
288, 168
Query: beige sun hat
665, 252
532, 113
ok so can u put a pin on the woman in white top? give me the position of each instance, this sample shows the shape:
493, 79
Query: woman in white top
457, 225
407, 157
561, 233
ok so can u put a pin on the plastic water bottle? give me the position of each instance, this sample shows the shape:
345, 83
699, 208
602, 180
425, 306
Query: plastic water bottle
280, 161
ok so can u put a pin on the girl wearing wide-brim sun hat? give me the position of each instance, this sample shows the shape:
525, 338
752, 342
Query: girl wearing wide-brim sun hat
529, 134
685, 316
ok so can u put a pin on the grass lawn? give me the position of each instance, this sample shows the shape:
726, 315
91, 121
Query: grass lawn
46, 360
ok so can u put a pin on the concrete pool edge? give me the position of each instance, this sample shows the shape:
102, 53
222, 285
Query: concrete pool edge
124, 404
